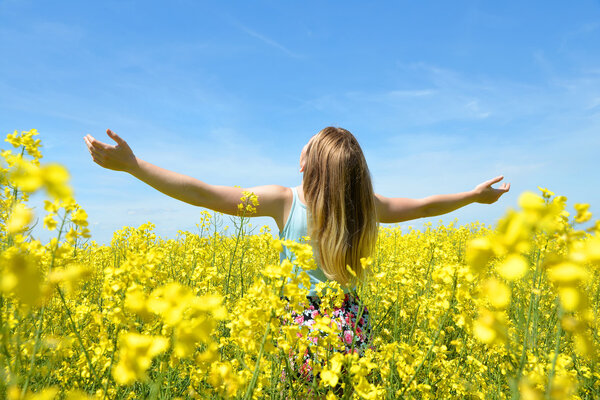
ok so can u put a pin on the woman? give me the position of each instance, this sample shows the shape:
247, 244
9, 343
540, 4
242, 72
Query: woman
335, 206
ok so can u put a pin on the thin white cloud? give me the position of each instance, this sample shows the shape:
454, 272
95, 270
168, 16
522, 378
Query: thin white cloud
568, 39
220, 154
265, 39
451, 96
594, 103
410, 93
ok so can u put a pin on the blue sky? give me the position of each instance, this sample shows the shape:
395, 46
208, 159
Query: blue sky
441, 95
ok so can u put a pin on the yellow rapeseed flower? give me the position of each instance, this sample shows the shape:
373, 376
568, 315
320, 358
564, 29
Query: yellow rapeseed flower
21, 276
51, 206
497, 293
528, 391
170, 302
49, 222
592, 250
479, 252
224, 378
13, 138
75, 394
26, 176
329, 377
135, 356
570, 298
79, 217
137, 302
513, 267
567, 273
366, 262
70, 276
545, 192
20, 217
489, 327
56, 179
366, 390
584, 345
531, 202
583, 215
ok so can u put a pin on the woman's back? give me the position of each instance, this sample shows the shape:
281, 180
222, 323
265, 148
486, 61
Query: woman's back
295, 228
351, 318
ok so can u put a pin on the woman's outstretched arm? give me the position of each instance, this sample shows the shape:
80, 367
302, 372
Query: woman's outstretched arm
392, 210
223, 199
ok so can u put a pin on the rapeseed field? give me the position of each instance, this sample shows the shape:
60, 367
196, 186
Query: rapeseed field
458, 312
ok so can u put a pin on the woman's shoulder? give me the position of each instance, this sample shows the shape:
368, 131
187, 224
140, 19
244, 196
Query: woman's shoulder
288, 201
275, 201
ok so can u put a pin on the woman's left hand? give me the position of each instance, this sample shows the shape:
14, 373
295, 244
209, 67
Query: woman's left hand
486, 194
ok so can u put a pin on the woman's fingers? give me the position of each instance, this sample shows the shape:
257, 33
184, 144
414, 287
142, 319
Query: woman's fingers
115, 137
97, 143
97, 161
88, 144
97, 157
96, 152
495, 180
503, 189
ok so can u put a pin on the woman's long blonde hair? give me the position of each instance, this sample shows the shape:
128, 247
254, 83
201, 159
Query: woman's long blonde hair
342, 220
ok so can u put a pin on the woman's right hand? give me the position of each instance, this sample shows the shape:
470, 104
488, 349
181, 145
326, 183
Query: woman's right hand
117, 158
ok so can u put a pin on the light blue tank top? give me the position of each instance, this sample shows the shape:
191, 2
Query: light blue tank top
295, 228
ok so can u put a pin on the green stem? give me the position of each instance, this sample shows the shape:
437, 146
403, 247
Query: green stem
437, 334
38, 331
112, 357
537, 297
242, 270
556, 350
526, 329
290, 374
13, 203
5, 348
76, 331
250, 390
237, 240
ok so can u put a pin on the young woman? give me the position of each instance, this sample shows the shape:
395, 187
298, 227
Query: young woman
335, 206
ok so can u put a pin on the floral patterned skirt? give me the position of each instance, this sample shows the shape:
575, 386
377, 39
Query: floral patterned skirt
353, 330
